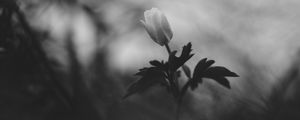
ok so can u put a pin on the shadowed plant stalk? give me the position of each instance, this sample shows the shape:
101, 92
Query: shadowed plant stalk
181, 92
167, 73
178, 102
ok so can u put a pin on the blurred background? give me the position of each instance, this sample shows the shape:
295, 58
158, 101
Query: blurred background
94, 47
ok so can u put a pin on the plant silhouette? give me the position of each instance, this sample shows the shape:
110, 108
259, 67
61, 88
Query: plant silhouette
166, 73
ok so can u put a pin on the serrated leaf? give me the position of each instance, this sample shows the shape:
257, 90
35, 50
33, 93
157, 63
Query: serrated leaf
204, 70
176, 62
186, 70
186, 51
143, 71
202, 65
218, 74
160, 65
150, 77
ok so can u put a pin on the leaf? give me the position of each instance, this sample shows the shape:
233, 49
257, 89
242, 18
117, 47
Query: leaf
176, 62
186, 70
155, 63
221, 80
161, 65
218, 74
219, 71
202, 65
150, 77
204, 70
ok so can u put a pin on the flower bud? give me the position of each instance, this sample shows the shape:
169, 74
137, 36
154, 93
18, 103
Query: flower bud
157, 26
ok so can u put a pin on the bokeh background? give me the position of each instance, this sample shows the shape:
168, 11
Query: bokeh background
256, 39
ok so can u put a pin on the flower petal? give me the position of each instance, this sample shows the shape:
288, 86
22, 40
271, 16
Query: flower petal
157, 26
161, 39
166, 27
150, 30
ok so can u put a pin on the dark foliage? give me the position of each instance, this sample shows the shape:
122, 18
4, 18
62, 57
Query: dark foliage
150, 76
204, 70
167, 74
176, 62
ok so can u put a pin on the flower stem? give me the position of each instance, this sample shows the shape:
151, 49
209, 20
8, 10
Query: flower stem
168, 48
172, 78
185, 87
175, 87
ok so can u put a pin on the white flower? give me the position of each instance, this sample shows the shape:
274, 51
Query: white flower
157, 26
